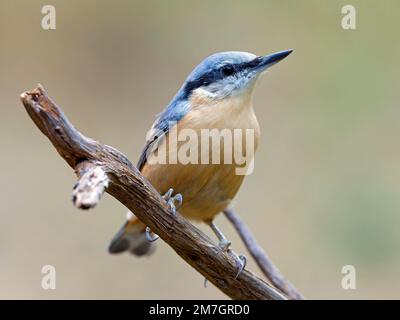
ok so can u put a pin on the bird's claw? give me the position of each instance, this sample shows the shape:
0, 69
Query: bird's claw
174, 202
241, 262
150, 236
224, 244
205, 282
168, 194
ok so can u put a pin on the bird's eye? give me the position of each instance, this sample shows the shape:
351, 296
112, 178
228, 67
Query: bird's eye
227, 70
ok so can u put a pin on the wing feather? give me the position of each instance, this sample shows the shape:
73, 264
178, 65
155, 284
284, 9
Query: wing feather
174, 112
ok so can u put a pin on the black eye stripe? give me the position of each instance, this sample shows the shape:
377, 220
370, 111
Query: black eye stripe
218, 74
204, 80
248, 65
210, 77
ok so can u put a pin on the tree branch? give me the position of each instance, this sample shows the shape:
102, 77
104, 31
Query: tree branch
91, 185
101, 167
263, 261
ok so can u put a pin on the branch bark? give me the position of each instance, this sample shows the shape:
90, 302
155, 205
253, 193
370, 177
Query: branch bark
92, 182
260, 256
103, 168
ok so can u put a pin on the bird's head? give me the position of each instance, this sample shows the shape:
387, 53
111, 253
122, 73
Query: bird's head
220, 77
227, 74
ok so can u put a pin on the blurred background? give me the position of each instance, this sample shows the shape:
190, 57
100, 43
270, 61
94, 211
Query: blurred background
325, 192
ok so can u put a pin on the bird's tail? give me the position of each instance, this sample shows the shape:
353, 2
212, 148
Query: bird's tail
132, 237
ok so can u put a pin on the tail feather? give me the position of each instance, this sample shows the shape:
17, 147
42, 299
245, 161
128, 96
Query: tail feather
132, 237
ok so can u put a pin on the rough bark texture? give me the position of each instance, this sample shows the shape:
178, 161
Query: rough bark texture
103, 168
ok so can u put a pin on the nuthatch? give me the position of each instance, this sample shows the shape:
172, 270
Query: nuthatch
218, 94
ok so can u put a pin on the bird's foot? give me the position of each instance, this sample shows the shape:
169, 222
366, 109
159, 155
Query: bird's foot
174, 202
225, 244
151, 236
240, 260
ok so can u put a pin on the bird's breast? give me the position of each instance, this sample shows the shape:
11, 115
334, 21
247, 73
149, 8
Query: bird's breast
207, 185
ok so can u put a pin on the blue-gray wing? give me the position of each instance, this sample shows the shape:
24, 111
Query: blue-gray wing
150, 146
175, 111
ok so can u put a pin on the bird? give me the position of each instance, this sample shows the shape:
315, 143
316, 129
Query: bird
217, 94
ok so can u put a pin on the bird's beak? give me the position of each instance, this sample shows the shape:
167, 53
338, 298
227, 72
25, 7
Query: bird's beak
264, 62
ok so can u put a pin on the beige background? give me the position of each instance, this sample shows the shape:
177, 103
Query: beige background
325, 192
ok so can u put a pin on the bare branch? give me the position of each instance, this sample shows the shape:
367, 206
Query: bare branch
91, 185
263, 261
90, 159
